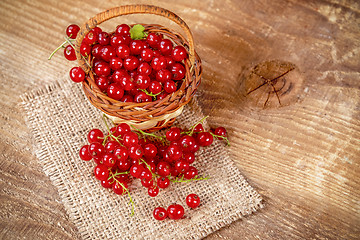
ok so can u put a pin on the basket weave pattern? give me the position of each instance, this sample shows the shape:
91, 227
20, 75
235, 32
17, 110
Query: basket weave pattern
164, 111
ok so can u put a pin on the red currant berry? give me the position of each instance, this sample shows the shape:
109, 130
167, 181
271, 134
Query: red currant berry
147, 54
181, 166
101, 172
158, 63
118, 187
144, 68
85, 49
175, 211
96, 150
163, 169
165, 47
123, 51
153, 191
204, 139
122, 128
189, 157
161, 96
122, 30
142, 97
160, 213
191, 173
136, 47
178, 71
186, 143
153, 40
104, 38
96, 31
95, 135
129, 139
173, 134
163, 75
170, 86
84, 153
179, 53
72, 31
146, 174
135, 151
102, 82
136, 170
69, 53
106, 183
199, 128
155, 87
220, 131
90, 38
193, 200
121, 153
111, 146
109, 160
102, 69
150, 150
142, 81
107, 52
147, 183
77, 74
96, 51
163, 182
115, 63
115, 91
127, 98
131, 63
174, 152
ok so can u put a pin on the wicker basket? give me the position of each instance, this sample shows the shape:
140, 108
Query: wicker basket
148, 116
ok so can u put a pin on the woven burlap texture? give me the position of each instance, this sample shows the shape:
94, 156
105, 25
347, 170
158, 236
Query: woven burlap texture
60, 117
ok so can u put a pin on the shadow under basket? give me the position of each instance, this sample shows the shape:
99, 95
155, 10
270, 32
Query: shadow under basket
148, 116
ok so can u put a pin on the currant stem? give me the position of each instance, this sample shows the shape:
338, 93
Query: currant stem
222, 137
147, 134
57, 49
125, 189
191, 130
181, 180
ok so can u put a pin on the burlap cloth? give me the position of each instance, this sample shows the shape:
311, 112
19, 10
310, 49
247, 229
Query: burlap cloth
60, 117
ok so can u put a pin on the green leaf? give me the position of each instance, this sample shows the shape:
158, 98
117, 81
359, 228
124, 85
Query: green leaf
137, 32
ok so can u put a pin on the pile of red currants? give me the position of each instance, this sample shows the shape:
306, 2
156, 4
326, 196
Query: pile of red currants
124, 154
129, 65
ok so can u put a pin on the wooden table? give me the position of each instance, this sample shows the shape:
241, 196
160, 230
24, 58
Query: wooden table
302, 156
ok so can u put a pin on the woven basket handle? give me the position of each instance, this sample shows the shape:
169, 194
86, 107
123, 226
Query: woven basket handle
126, 10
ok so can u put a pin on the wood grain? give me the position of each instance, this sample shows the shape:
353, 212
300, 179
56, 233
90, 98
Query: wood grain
303, 157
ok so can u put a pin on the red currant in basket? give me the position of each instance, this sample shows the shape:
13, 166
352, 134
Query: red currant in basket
193, 200
122, 30
165, 46
170, 86
101, 172
175, 211
155, 87
115, 91
153, 40
72, 31
69, 53
163, 75
84, 153
131, 63
95, 135
102, 69
158, 63
102, 82
104, 38
160, 213
142, 97
77, 74
178, 71
179, 53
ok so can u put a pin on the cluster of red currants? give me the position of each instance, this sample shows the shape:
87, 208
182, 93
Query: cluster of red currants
129, 67
123, 155
176, 211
